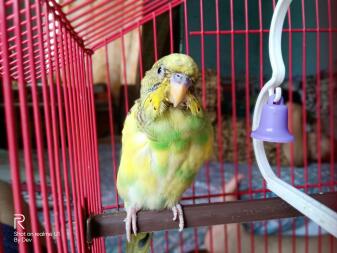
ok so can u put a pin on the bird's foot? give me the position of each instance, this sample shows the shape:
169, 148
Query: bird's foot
131, 221
178, 212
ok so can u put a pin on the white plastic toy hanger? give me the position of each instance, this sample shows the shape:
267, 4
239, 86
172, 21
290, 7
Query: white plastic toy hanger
313, 209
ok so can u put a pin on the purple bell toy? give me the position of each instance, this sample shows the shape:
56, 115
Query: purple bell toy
273, 125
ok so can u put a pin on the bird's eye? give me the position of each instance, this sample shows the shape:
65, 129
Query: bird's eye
161, 71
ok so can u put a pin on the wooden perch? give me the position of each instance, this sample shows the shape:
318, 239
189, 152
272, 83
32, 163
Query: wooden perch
202, 215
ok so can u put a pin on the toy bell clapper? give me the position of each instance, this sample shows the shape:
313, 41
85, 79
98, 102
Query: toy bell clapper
270, 124
273, 125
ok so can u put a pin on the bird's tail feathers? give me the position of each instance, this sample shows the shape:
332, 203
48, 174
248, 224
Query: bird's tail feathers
139, 243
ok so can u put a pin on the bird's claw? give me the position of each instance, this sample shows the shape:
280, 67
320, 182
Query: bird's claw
175, 212
131, 221
178, 212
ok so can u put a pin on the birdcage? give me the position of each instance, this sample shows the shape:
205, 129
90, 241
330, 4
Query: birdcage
70, 72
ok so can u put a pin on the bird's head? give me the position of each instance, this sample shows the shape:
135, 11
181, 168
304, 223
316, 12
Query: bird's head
170, 80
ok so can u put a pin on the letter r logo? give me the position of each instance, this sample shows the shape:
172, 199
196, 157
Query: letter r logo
18, 220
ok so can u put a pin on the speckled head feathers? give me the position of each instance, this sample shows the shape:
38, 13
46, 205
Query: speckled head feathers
173, 63
179, 63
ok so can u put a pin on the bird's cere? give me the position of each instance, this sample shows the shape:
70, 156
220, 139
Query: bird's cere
181, 79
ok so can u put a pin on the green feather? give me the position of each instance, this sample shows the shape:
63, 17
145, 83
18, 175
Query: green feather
140, 243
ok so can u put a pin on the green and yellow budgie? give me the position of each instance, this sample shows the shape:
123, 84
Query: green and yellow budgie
166, 139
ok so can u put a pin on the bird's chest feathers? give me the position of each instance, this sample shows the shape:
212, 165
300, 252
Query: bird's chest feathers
166, 154
175, 130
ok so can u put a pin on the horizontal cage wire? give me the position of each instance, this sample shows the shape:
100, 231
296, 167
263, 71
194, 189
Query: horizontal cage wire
70, 73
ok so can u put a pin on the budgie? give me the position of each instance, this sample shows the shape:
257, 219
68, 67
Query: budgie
165, 140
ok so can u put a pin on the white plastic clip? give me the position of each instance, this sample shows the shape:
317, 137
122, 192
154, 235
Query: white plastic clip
278, 94
313, 209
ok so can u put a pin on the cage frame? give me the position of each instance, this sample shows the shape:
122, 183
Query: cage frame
88, 215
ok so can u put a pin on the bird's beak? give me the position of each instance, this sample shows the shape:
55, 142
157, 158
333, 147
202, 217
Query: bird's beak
179, 84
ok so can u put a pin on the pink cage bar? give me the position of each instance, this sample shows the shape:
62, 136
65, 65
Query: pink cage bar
50, 110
